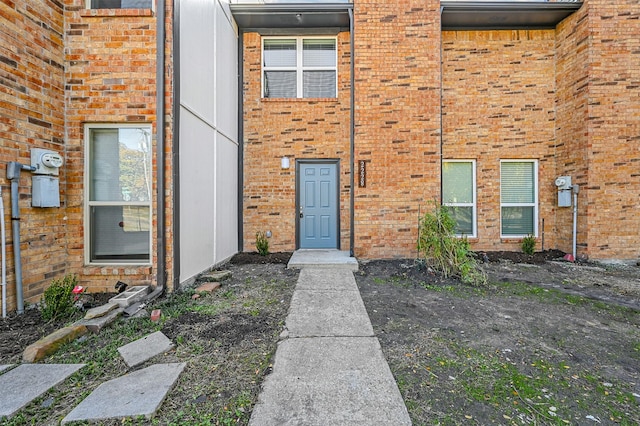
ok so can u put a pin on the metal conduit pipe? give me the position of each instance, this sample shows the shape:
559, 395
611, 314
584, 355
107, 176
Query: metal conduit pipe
161, 277
4, 257
13, 174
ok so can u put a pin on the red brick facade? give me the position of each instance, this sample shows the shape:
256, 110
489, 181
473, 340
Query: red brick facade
59, 69
566, 98
300, 129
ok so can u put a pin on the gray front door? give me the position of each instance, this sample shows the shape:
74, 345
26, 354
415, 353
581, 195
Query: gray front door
318, 205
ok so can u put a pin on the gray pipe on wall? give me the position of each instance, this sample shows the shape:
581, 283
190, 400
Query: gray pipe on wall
13, 174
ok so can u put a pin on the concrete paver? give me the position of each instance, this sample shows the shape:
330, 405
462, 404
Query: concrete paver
330, 370
4, 367
142, 350
330, 381
136, 394
28, 381
327, 313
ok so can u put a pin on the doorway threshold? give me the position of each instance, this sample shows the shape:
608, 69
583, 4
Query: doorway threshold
322, 258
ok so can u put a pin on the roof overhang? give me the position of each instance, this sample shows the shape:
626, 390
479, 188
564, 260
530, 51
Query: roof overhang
287, 17
501, 15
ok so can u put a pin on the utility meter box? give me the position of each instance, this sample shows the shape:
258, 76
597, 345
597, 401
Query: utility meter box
45, 191
46, 162
564, 198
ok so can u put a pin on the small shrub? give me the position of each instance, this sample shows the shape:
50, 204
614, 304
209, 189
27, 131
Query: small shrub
529, 245
262, 243
58, 298
445, 252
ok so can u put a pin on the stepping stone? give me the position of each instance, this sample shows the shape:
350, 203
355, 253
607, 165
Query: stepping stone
51, 343
142, 350
100, 311
96, 324
4, 367
208, 287
216, 276
26, 382
136, 394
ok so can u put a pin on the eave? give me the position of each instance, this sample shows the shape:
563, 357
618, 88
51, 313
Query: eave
502, 15
292, 17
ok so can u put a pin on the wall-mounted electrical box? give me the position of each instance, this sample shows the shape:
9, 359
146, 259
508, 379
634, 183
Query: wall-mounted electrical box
45, 191
46, 162
564, 191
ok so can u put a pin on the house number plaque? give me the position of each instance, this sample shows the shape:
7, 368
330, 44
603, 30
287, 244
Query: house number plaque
362, 175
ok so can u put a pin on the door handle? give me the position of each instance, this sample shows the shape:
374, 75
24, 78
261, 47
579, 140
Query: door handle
301, 213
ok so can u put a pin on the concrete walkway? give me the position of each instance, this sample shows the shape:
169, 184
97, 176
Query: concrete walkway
330, 369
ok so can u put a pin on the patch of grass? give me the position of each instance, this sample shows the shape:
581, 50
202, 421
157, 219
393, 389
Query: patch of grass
235, 411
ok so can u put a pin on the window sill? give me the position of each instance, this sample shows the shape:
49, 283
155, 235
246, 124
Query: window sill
305, 100
105, 13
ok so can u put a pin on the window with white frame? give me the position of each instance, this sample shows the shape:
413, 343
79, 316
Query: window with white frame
459, 194
118, 193
519, 198
120, 4
299, 67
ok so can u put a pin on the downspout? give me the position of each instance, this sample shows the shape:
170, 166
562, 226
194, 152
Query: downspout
441, 107
161, 273
176, 145
13, 174
352, 137
240, 140
3, 241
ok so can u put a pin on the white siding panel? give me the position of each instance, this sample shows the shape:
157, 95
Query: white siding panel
197, 60
197, 206
226, 77
208, 143
226, 199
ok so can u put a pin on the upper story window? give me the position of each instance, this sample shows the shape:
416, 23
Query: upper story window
120, 4
299, 67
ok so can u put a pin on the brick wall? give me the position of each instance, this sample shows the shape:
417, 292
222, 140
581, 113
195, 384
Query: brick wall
613, 125
572, 139
110, 78
598, 131
397, 115
499, 103
32, 115
299, 129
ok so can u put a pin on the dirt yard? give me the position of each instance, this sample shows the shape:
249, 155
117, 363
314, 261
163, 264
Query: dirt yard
546, 342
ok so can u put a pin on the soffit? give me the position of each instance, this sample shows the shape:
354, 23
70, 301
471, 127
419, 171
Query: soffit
298, 18
489, 15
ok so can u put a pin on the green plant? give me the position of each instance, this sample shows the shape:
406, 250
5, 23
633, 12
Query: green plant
529, 245
58, 298
262, 243
446, 252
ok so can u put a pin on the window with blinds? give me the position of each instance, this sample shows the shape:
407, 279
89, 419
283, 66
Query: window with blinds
118, 200
121, 4
459, 194
518, 198
299, 68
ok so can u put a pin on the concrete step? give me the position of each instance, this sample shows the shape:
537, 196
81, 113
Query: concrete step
327, 259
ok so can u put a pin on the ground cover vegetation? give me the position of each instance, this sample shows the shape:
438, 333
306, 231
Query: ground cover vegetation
542, 342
